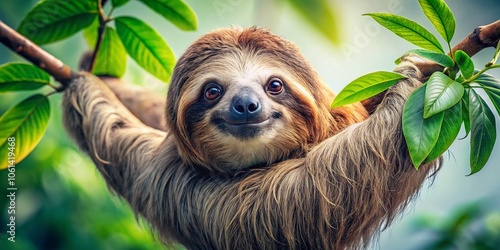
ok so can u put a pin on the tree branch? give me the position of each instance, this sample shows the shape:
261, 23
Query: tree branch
33, 53
482, 37
100, 35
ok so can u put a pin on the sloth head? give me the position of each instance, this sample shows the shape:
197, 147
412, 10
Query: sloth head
243, 98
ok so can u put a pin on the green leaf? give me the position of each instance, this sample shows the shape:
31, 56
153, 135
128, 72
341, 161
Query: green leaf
440, 16
439, 58
176, 11
22, 76
420, 134
90, 33
111, 59
465, 112
321, 15
53, 20
441, 93
492, 88
408, 30
450, 128
365, 87
464, 63
26, 123
118, 3
146, 47
483, 132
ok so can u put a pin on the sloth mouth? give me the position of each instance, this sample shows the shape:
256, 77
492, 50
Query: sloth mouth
250, 123
245, 130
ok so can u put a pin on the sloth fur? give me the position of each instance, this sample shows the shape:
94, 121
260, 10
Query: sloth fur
297, 175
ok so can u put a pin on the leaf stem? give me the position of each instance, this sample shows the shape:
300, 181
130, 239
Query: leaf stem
100, 33
475, 76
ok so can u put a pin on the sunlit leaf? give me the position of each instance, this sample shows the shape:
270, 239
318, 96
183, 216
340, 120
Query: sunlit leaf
176, 11
111, 59
464, 63
492, 88
90, 33
365, 87
440, 58
420, 134
321, 15
450, 128
441, 93
118, 3
53, 20
483, 132
25, 123
408, 30
22, 76
440, 16
146, 47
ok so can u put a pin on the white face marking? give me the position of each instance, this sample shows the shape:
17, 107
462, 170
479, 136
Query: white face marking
235, 72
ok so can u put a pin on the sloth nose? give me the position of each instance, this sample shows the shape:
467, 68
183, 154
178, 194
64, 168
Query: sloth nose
245, 109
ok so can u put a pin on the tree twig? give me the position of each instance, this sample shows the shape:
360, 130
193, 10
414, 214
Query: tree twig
100, 35
482, 37
33, 53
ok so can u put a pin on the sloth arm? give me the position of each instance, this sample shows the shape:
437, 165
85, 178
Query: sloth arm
118, 142
351, 183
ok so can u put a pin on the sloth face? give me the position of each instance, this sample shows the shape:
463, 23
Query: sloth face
245, 98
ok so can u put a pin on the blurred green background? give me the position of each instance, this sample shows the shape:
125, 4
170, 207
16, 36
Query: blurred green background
63, 203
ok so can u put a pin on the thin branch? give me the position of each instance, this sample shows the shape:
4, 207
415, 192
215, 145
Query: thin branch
33, 53
482, 37
100, 35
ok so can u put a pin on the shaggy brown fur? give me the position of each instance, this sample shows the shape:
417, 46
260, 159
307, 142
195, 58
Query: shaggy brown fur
323, 184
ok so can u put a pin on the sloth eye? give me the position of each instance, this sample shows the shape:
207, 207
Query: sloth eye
275, 86
213, 92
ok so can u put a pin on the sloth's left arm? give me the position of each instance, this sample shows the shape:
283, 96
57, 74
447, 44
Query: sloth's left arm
119, 144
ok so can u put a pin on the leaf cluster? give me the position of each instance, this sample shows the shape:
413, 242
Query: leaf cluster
23, 126
434, 114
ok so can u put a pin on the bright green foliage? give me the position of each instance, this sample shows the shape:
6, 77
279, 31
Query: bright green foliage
408, 30
112, 57
366, 86
176, 11
22, 76
22, 127
452, 120
425, 131
421, 134
465, 64
483, 132
440, 16
492, 88
146, 47
53, 20
441, 94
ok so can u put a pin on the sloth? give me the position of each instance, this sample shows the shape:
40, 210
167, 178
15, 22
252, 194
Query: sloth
251, 156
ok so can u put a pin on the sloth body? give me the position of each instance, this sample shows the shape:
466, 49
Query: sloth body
252, 156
